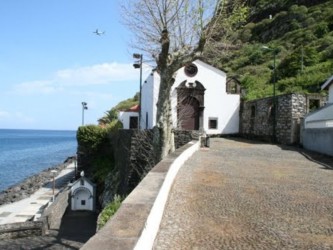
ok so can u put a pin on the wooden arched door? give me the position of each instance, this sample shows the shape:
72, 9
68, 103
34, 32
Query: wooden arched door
188, 114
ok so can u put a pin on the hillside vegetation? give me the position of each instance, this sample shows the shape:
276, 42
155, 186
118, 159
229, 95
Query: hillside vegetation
300, 35
299, 32
112, 114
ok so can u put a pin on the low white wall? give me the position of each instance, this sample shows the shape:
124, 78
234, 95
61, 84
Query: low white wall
147, 238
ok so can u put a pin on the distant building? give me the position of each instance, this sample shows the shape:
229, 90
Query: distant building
317, 134
201, 99
130, 117
83, 195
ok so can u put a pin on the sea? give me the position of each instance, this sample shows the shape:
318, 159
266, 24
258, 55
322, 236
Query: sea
26, 152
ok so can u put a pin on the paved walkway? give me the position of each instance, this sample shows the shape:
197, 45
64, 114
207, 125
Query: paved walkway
75, 229
245, 195
33, 206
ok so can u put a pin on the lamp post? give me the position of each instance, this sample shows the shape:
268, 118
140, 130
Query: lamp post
138, 65
275, 51
84, 106
53, 184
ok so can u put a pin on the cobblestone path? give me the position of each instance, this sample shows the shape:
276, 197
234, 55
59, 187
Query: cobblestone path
245, 195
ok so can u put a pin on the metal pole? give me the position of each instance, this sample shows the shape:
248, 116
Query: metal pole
84, 106
274, 96
139, 120
82, 115
53, 189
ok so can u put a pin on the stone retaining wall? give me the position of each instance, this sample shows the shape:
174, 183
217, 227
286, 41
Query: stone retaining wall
50, 219
139, 215
54, 213
22, 229
257, 117
182, 137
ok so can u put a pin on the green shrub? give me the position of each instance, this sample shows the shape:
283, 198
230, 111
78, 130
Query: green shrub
91, 137
321, 29
109, 211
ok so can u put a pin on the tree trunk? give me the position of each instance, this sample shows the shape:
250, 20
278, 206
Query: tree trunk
164, 116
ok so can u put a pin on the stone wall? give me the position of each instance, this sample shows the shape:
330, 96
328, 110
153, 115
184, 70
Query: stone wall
133, 155
54, 213
22, 229
257, 117
183, 137
50, 219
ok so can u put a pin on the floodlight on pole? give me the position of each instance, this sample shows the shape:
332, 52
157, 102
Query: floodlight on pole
53, 183
138, 65
84, 107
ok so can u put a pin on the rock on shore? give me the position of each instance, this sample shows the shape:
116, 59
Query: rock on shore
31, 184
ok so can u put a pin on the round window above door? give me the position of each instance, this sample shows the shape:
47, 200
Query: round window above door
191, 70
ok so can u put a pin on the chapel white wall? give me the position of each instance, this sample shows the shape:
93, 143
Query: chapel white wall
124, 117
218, 104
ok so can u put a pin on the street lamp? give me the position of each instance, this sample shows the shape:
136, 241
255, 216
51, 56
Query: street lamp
84, 106
53, 184
138, 65
275, 51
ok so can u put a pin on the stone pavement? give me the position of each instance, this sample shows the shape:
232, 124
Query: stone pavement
244, 195
75, 229
33, 206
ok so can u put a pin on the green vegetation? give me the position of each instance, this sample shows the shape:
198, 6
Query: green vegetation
109, 211
301, 33
112, 114
94, 142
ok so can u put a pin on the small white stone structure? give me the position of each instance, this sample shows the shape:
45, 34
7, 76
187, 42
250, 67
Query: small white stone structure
130, 117
201, 99
323, 117
83, 194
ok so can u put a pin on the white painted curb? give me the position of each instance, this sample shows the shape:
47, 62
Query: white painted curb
148, 235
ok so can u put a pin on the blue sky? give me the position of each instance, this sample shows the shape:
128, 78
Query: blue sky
51, 61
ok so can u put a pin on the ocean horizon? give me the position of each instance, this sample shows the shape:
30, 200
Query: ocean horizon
25, 152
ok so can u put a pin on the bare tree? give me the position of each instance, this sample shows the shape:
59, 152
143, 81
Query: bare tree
174, 33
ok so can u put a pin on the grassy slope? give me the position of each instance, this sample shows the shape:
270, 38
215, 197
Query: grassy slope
299, 33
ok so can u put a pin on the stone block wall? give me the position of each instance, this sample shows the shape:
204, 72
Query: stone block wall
257, 117
134, 157
22, 229
54, 213
183, 137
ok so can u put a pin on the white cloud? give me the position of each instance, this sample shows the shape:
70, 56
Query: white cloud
106, 73
40, 87
3, 114
15, 118
97, 74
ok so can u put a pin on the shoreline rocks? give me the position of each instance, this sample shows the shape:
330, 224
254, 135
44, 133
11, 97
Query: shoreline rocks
31, 184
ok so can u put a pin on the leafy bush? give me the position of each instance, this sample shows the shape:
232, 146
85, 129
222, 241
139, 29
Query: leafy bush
109, 211
94, 142
321, 29
91, 137
292, 64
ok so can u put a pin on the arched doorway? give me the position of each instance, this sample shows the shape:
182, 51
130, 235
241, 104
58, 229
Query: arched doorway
188, 114
83, 199
190, 107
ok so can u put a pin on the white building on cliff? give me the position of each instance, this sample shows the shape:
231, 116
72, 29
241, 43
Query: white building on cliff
201, 99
